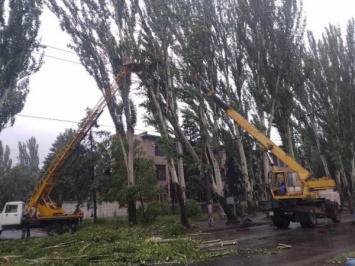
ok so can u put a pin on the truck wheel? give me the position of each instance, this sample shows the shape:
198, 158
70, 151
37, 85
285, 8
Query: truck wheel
304, 224
70, 228
312, 220
336, 218
282, 224
0, 232
55, 229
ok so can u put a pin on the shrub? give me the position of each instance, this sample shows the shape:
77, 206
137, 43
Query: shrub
174, 230
152, 211
193, 208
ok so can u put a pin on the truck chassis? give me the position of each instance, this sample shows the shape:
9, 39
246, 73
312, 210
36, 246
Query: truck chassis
306, 212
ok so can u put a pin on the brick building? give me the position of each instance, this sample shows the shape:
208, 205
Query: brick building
152, 148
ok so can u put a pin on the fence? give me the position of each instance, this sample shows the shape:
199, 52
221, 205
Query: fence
106, 209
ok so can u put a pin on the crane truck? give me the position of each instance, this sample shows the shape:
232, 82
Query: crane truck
41, 211
296, 195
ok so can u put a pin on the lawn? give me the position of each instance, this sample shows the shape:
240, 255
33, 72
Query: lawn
111, 242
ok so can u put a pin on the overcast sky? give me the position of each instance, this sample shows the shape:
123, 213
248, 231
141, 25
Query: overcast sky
62, 90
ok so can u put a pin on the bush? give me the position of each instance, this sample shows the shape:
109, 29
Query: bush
174, 230
152, 211
109, 220
193, 208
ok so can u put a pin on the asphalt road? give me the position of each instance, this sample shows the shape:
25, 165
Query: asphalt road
16, 234
309, 246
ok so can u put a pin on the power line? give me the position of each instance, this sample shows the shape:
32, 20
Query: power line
70, 121
58, 58
60, 49
62, 59
55, 119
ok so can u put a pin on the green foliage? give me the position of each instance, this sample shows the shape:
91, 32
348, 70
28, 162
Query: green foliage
174, 230
146, 180
105, 244
195, 187
111, 220
198, 44
168, 219
5, 170
341, 259
111, 177
17, 183
28, 155
19, 25
258, 251
76, 172
252, 53
152, 211
193, 208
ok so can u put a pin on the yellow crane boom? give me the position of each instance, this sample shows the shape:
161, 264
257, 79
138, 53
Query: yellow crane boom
40, 201
258, 135
295, 174
296, 196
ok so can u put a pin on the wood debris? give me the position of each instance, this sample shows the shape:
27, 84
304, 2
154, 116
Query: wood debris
159, 240
84, 248
217, 242
59, 245
283, 246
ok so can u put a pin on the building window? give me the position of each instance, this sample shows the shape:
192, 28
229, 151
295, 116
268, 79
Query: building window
158, 149
161, 197
161, 173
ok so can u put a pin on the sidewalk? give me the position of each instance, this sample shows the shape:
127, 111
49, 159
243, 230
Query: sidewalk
243, 222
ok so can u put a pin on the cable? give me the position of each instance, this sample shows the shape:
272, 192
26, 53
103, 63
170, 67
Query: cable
59, 58
55, 119
60, 49
70, 121
62, 59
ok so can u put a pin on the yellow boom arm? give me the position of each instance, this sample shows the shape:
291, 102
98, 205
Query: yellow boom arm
259, 136
40, 201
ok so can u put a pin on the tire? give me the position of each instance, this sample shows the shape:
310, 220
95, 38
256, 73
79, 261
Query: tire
312, 220
0, 232
336, 218
71, 228
55, 229
282, 224
304, 224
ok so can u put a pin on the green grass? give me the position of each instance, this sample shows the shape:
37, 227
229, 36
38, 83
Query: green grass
109, 242
340, 260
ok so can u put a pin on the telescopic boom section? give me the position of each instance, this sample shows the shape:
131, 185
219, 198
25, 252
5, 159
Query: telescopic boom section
259, 136
45, 184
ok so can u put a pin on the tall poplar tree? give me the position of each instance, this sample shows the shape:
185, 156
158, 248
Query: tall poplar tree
5, 171
19, 25
98, 30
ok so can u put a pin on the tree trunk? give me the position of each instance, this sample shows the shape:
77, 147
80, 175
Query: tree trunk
244, 168
179, 193
132, 213
344, 180
154, 94
231, 219
209, 202
216, 170
180, 168
94, 200
353, 172
183, 217
289, 139
266, 163
220, 195
319, 148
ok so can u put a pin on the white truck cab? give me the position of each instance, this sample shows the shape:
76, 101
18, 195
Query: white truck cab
11, 215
